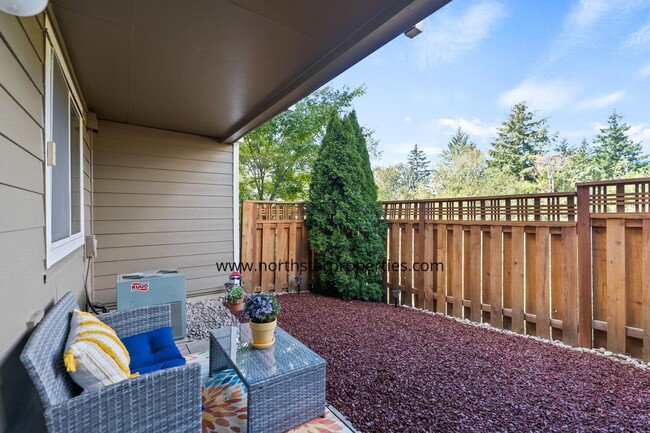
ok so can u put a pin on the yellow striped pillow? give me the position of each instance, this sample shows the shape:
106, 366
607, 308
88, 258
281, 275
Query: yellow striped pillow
94, 355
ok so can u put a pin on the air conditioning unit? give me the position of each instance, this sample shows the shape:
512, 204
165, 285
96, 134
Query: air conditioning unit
165, 286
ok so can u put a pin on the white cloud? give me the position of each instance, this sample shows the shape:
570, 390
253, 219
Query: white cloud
447, 37
544, 96
587, 13
597, 126
640, 38
601, 101
407, 119
640, 132
575, 30
473, 127
645, 71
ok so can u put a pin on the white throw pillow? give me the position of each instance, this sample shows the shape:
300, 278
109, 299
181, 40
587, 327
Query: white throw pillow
94, 355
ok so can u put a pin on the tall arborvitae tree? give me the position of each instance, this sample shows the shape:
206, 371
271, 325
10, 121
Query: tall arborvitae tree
459, 143
371, 246
342, 221
615, 153
520, 140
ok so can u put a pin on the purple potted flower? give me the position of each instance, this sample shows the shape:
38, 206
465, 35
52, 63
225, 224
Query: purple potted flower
263, 310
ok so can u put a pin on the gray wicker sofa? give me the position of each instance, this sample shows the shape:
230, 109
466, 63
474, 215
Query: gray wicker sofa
163, 401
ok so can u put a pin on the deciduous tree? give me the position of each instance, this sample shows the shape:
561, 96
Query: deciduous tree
275, 159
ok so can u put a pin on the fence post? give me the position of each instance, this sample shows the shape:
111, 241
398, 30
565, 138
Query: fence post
584, 267
419, 277
248, 239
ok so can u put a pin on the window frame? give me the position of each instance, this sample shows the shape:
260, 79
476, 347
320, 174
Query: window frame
58, 250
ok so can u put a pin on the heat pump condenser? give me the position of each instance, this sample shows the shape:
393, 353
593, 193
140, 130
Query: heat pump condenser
145, 288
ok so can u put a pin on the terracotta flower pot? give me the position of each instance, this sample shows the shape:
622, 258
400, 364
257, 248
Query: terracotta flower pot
263, 334
237, 306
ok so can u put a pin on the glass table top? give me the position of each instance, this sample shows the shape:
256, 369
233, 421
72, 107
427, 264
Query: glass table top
287, 354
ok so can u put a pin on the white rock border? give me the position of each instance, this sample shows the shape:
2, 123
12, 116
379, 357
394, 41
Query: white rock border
622, 359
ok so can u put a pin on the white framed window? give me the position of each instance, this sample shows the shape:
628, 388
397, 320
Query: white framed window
64, 205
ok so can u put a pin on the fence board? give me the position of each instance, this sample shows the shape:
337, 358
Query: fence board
406, 256
531, 283
556, 257
543, 323
518, 279
456, 270
429, 278
281, 257
415, 274
569, 286
268, 256
441, 277
496, 276
646, 289
616, 280
634, 286
486, 277
475, 273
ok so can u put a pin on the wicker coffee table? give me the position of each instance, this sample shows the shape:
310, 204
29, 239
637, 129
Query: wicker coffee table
286, 382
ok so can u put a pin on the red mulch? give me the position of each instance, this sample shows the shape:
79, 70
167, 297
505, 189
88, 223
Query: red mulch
400, 370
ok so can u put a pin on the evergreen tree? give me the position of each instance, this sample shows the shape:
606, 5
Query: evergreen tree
459, 143
370, 247
368, 181
615, 153
418, 168
343, 222
520, 140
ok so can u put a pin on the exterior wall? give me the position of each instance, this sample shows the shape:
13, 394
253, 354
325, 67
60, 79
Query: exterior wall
161, 200
25, 285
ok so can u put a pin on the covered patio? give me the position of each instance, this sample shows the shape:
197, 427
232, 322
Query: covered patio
120, 124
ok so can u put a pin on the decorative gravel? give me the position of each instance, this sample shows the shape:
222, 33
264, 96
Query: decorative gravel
204, 315
404, 370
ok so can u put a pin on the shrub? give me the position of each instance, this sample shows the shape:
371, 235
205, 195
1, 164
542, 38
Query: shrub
343, 215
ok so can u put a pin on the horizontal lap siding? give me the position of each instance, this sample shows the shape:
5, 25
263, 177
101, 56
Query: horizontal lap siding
25, 285
161, 200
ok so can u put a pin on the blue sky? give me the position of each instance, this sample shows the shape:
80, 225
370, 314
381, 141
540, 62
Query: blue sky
573, 61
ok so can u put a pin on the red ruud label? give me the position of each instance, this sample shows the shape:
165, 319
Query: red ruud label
140, 287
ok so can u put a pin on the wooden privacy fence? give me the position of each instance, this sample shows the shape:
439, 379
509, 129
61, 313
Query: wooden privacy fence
274, 247
568, 266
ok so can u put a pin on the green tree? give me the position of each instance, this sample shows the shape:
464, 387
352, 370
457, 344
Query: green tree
417, 169
370, 247
459, 143
391, 182
520, 140
615, 154
341, 218
275, 159
461, 169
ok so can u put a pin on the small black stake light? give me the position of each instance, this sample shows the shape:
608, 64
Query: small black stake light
298, 280
395, 293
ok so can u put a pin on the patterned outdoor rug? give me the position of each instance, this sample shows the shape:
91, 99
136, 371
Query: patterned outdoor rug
226, 406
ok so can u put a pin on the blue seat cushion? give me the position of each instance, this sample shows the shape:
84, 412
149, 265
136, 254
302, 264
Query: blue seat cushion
152, 351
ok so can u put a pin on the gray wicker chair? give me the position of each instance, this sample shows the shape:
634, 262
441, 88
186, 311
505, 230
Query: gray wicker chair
163, 401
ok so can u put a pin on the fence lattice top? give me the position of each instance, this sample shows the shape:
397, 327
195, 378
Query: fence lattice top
624, 196
280, 211
619, 196
532, 207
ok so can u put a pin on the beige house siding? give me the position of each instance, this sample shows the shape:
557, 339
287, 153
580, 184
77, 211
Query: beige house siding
25, 285
161, 200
